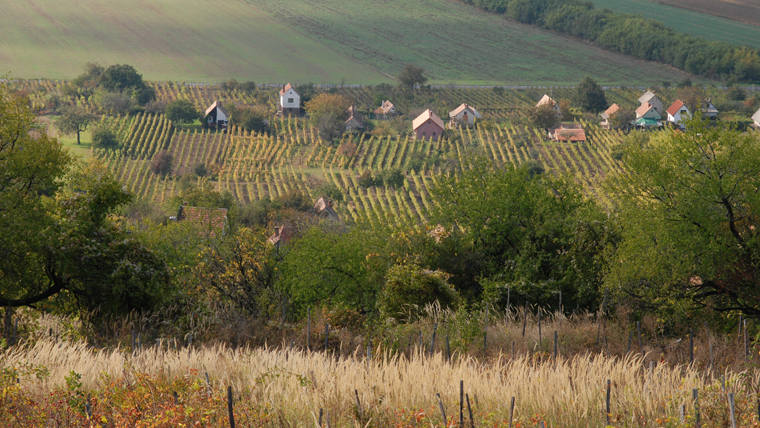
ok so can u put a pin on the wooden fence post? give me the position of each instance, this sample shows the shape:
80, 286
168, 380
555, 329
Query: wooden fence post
609, 387
525, 318
327, 335
229, 407
461, 403
320, 417
511, 411
509, 308
556, 346
359, 406
691, 346
485, 332
695, 396
469, 410
638, 333
732, 409
539, 328
308, 329
448, 349
443, 412
432, 340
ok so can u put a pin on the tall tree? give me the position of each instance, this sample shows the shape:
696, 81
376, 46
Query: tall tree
544, 116
590, 96
690, 209
411, 76
74, 120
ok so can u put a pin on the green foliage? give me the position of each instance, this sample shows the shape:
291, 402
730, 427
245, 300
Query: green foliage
590, 96
104, 138
633, 35
120, 77
74, 120
689, 205
200, 169
544, 116
411, 76
533, 232
409, 288
330, 127
181, 111
250, 119
331, 191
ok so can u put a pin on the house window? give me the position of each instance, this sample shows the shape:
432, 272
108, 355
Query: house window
423, 135
433, 134
290, 100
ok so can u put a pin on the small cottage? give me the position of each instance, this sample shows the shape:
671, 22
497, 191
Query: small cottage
215, 116
355, 121
568, 132
647, 117
212, 221
324, 209
548, 100
428, 126
709, 110
290, 102
756, 118
677, 112
651, 98
464, 115
386, 110
280, 236
607, 114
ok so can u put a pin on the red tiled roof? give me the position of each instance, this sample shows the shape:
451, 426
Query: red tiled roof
643, 109
280, 235
385, 108
286, 88
570, 132
673, 109
215, 219
612, 110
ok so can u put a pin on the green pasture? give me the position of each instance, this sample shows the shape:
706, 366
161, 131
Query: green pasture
689, 22
323, 41
457, 43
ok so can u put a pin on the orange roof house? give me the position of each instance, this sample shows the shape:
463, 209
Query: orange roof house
428, 126
386, 109
677, 112
607, 114
569, 132
280, 236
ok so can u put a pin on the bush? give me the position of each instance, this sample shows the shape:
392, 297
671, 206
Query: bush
200, 169
104, 138
162, 163
393, 178
181, 111
409, 288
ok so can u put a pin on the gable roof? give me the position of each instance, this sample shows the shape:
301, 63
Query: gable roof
215, 219
216, 104
424, 117
756, 116
280, 235
462, 108
324, 208
648, 95
570, 132
385, 108
286, 88
546, 100
675, 107
354, 115
709, 107
610, 111
644, 109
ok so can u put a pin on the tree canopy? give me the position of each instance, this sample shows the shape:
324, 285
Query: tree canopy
411, 76
690, 210
590, 96
181, 111
74, 120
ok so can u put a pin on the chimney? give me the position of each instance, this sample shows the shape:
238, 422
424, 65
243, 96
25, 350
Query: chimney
277, 231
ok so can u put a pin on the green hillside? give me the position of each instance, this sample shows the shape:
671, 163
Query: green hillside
326, 41
689, 22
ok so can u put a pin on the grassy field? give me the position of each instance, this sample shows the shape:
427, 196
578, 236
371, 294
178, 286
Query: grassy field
690, 21
327, 41
747, 11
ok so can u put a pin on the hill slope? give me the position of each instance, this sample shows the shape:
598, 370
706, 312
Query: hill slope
361, 41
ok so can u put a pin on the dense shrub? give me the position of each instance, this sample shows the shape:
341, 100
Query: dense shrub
410, 288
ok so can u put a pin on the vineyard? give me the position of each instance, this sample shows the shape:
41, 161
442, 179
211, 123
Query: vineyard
291, 156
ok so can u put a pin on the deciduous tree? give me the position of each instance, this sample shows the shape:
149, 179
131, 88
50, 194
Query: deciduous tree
74, 120
411, 76
590, 96
181, 111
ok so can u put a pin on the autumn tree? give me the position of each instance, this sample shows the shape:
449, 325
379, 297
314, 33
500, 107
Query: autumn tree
104, 138
162, 163
411, 76
326, 103
74, 120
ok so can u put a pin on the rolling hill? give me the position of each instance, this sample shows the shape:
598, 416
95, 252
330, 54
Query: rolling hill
325, 41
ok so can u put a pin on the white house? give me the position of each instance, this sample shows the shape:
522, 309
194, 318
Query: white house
464, 115
756, 118
652, 99
548, 100
215, 116
709, 110
290, 101
677, 112
607, 114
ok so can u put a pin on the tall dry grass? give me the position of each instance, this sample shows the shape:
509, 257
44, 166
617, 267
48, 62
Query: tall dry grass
569, 392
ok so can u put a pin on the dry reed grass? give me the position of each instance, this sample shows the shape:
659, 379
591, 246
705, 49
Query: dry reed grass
296, 384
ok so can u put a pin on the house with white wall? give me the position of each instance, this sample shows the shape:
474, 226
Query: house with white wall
290, 102
677, 113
